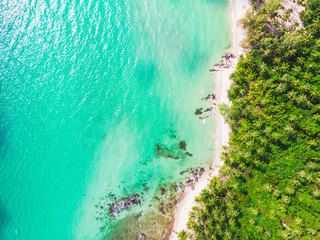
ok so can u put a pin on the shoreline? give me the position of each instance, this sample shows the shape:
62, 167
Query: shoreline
238, 9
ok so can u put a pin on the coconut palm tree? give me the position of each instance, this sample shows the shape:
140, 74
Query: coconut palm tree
302, 174
288, 128
295, 182
296, 69
231, 222
292, 118
316, 23
311, 165
285, 234
252, 221
292, 94
311, 231
316, 193
298, 221
254, 212
290, 190
312, 142
300, 60
309, 177
313, 93
267, 187
276, 135
227, 235
259, 229
297, 232
301, 99
291, 52
286, 199
305, 87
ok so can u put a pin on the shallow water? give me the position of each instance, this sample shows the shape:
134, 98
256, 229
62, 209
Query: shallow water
88, 90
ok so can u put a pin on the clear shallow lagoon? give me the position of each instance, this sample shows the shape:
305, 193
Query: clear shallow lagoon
88, 88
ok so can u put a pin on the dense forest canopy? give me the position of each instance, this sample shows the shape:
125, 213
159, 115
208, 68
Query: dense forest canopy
271, 184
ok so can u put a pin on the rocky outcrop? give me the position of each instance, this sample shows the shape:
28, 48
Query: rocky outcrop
124, 203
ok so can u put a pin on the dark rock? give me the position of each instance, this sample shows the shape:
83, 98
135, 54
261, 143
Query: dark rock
204, 117
156, 198
208, 109
183, 145
189, 154
195, 173
189, 180
141, 236
210, 95
139, 216
123, 204
162, 210
163, 191
158, 147
198, 111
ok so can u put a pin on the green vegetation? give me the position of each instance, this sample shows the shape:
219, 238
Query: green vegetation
270, 187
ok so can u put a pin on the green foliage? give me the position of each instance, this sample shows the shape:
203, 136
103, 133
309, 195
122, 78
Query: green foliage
272, 173
224, 109
262, 23
183, 235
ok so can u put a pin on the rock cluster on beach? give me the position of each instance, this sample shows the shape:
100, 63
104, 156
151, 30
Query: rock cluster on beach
225, 63
144, 223
203, 112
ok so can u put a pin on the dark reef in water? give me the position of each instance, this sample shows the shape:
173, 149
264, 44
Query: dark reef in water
201, 111
146, 223
123, 204
175, 151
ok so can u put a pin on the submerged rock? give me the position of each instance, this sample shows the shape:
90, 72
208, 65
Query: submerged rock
208, 109
123, 204
198, 111
139, 216
141, 236
183, 145
162, 210
189, 154
211, 95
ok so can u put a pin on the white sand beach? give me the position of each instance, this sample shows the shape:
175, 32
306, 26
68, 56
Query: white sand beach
222, 84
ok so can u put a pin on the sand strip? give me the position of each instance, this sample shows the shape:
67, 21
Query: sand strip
222, 84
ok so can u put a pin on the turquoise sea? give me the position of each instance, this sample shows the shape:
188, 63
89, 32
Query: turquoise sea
89, 88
